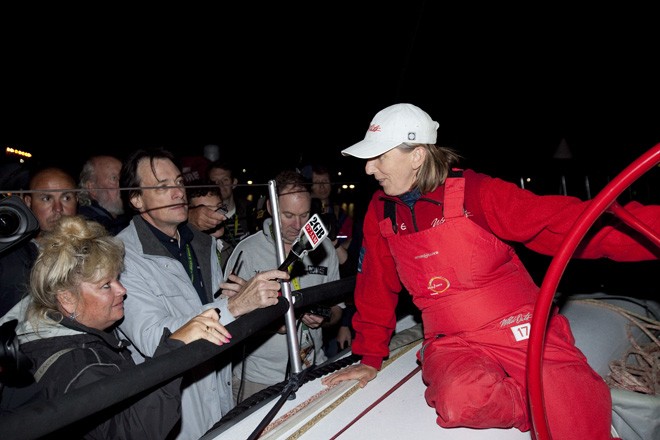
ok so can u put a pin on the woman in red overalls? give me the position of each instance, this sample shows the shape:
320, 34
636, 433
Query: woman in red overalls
442, 233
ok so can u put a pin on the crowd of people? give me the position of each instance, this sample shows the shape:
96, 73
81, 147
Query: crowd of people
132, 260
140, 271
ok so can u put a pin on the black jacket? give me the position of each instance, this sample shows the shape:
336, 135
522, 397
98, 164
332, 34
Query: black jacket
86, 356
15, 267
113, 225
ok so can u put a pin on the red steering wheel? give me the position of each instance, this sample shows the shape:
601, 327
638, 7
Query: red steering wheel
604, 201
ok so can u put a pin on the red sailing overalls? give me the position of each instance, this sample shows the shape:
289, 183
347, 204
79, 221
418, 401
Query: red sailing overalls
477, 301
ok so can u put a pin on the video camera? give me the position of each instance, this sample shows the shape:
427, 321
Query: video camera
17, 224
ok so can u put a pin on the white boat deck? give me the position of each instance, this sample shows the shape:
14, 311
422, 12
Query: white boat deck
390, 407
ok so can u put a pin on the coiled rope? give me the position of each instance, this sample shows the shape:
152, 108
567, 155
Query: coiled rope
639, 368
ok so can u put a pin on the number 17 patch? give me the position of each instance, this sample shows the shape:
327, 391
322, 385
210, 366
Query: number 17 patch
521, 332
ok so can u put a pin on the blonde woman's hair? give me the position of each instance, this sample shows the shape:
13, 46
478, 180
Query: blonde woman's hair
435, 169
76, 250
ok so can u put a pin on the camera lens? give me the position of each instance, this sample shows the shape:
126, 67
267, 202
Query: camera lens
10, 223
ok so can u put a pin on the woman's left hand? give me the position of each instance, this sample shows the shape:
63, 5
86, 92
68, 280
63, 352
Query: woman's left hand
360, 372
207, 326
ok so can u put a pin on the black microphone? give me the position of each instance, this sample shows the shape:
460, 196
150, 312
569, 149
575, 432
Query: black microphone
311, 235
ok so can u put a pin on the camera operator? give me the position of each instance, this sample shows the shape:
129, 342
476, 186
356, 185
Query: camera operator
52, 194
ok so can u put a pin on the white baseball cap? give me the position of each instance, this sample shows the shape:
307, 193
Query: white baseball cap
393, 126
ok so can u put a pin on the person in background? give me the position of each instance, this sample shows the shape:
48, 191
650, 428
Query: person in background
343, 224
69, 333
205, 218
51, 194
205, 194
266, 356
237, 226
100, 198
173, 274
443, 233
340, 224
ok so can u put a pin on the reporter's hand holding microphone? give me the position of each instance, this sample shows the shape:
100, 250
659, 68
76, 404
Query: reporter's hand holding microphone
263, 289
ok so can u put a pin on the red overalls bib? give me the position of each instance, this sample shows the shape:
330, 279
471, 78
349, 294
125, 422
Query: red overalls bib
477, 301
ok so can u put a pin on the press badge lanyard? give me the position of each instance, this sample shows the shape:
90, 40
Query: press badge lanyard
191, 271
235, 225
296, 281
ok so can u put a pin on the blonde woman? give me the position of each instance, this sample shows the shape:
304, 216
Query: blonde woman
69, 334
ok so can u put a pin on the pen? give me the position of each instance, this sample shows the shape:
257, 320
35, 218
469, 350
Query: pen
237, 264
236, 268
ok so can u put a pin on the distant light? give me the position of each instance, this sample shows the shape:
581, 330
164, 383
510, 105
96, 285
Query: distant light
244, 171
351, 186
344, 186
10, 150
339, 173
529, 179
249, 182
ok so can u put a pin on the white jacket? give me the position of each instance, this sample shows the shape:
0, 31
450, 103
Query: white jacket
267, 362
160, 294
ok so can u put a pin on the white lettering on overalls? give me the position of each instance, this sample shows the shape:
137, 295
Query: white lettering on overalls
437, 221
430, 254
515, 319
521, 331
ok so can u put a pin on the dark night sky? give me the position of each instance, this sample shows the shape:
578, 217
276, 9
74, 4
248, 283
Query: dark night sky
506, 86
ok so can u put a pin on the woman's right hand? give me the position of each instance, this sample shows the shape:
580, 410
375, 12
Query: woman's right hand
206, 325
363, 373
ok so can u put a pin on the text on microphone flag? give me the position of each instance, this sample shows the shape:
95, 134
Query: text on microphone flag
315, 230
311, 235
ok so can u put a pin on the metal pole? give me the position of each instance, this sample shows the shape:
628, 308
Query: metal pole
289, 316
587, 187
563, 185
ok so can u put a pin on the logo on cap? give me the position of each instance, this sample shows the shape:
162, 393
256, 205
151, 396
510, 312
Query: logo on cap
411, 136
374, 127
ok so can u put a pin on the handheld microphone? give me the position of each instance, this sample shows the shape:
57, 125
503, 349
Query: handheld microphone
311, 235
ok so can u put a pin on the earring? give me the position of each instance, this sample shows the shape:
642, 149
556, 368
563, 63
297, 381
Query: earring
73, 315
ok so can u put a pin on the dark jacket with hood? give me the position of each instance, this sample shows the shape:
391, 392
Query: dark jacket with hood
78, 356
